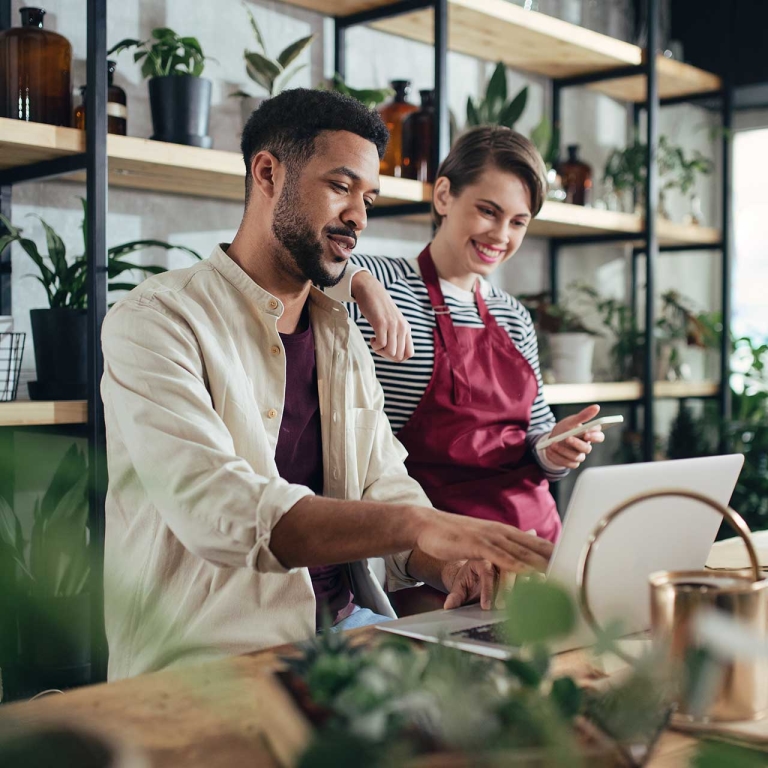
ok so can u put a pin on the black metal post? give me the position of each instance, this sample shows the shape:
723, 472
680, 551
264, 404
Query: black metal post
5, 201
633, 308
556, 116
339, 49
554, 248
442, 136
727, 220
96, 249
651, 239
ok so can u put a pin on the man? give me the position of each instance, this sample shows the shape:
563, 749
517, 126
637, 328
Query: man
236, 394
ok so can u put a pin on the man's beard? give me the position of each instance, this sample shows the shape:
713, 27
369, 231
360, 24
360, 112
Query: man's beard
295, 234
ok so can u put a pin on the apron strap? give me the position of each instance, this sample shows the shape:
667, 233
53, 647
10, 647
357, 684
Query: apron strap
462, 389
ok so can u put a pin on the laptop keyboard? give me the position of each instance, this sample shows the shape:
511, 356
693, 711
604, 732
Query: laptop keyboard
485, 633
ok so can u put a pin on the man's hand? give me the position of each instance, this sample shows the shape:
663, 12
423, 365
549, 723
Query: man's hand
466, 581
449, 537
572, 451
392, 338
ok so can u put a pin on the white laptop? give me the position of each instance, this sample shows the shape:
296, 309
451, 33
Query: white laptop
660, 534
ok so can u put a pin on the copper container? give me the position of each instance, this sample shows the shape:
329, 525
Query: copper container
35, 72
678, 598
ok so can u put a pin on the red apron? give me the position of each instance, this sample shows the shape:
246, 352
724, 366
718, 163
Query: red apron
466, 440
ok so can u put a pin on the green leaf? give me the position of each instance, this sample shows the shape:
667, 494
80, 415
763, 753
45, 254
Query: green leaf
124, 44
165, 34
286, 77
473, 118
541, 136
538, 612
70, 470
8, 524
118, 267
118, 251
496, 92
261, 70
57, 251
115, 286
524, 671
512, 112
712, 754
293, 51
567, 696
256, 30
193, 43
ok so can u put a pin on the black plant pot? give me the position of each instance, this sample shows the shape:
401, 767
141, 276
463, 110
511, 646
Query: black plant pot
55, 635
180, 107
60, 337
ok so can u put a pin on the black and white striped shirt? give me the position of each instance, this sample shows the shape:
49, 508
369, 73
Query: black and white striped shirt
405, 383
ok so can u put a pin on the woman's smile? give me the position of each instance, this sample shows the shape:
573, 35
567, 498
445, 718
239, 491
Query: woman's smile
489, 254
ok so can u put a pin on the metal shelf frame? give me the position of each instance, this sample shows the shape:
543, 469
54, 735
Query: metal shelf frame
94, 162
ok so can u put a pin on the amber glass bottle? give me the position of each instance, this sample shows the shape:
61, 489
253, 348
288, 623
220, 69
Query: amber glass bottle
576, 177
117, 111
36, 67
393, 115
418, 133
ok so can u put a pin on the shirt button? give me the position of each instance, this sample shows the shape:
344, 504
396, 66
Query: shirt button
273, 303
271, 413
275, 350
335, 474
335, 416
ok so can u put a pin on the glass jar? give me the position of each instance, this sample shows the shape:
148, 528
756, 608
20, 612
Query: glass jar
117, 111
37, 69
576, 177
418, 134
393, 115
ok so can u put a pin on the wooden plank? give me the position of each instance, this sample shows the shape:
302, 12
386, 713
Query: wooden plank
496, 30
624, 391
159, 166
676, 78
31, 413
338, 7
227, 712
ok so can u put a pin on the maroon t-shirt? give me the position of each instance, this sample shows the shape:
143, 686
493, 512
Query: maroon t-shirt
299, 456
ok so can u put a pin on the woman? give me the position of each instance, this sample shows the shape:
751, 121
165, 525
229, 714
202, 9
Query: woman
468, 405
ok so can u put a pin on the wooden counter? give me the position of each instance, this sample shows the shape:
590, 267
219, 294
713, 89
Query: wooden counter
216, 715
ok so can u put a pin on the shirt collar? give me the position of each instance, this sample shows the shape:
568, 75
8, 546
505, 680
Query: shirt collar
261, 298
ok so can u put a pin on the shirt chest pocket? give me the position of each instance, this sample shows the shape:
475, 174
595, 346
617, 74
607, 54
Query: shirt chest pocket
362, 424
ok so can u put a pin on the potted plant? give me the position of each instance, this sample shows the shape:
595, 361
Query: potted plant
688, 169
571, 343
370, 97
54, 606
60, 332
680, 326
272, 75
493, 108
180, 99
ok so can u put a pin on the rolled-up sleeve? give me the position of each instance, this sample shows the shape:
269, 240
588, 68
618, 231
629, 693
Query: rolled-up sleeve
154, 387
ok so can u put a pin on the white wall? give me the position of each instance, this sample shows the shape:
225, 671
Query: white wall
595, 122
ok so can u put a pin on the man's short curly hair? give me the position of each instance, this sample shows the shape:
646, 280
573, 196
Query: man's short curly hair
288, 124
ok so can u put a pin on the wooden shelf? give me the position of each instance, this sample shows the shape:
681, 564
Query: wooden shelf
30, 413
158, 166
498, 30
624, 391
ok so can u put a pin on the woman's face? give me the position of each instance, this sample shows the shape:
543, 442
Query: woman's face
485, 224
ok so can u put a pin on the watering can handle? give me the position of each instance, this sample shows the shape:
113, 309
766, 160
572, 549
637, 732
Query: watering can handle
733, 518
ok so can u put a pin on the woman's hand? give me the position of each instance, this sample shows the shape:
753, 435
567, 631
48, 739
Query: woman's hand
392, 338
572, 451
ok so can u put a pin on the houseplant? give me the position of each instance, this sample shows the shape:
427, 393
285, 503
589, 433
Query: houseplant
60, 332
370, 97
571, 343
273, 75
53, 570
493, 108
180, 99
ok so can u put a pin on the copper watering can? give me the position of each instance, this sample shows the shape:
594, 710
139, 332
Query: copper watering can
678, 597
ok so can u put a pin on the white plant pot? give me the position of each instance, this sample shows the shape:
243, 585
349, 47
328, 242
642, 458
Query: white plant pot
572, 355
247, 105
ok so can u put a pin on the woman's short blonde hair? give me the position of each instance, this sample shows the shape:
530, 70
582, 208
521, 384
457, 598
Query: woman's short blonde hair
497, 147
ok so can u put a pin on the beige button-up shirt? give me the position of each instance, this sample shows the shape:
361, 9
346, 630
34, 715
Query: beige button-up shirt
193, 389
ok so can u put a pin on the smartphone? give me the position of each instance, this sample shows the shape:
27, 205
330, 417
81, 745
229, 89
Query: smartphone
603, 421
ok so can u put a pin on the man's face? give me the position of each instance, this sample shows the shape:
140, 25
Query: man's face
323, 207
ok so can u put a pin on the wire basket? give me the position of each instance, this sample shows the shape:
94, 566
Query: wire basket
11, 353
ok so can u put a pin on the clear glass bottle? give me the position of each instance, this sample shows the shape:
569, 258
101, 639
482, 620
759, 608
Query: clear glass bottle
393, 115
576, 177
36, 67
418, 133
117, 112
